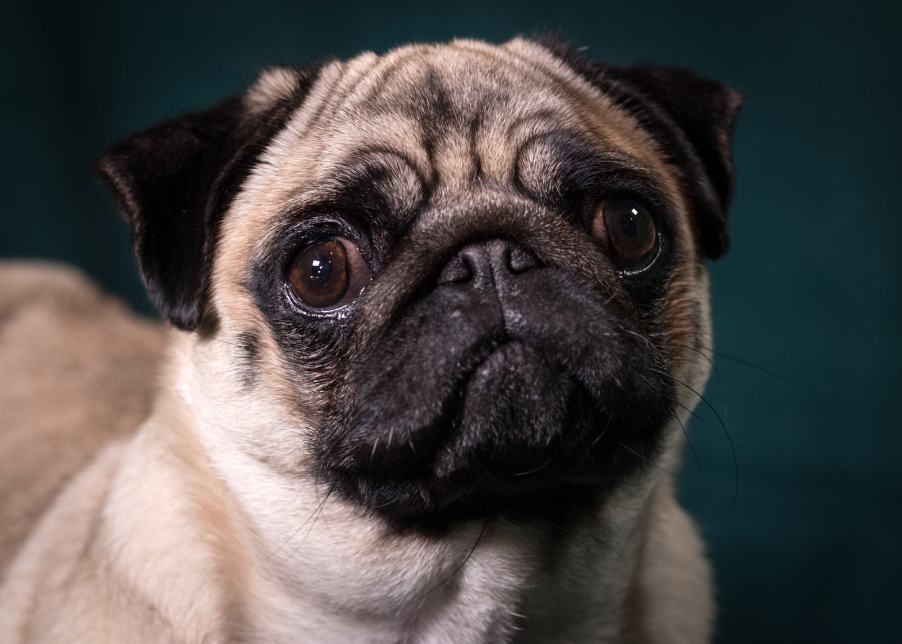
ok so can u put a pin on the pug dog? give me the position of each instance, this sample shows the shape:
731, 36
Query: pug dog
439, 318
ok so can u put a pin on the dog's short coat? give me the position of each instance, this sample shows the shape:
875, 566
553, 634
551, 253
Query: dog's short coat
475, 445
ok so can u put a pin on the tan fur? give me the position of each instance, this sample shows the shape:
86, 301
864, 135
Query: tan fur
273, 85
78, 371
207, 524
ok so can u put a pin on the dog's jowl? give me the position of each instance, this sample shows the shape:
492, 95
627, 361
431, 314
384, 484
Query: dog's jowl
439, 317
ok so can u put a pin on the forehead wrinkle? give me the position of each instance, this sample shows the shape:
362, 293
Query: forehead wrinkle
388, 132
560, 113
593, 108
469, 93
414, 106
355, 71
333, 188
544, 115
532, 128
310, 111
473, 144
374, 77
306, 114
544, 164
499, 56
303, 138
402, 186
444, 74
380, 77
502, 137
596, 106
453, 164
400, 83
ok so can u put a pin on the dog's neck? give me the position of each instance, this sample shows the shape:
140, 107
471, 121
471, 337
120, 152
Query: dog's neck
327, 568
294, 562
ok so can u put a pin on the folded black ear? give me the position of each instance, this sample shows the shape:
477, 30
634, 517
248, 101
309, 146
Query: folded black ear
174, 183
691, 117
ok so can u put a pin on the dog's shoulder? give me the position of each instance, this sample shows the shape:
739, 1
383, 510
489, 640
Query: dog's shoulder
78, 370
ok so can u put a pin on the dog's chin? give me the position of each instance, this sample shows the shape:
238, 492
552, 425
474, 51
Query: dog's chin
517, 437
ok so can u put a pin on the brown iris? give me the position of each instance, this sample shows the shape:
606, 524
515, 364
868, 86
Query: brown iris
329, 273
626, 229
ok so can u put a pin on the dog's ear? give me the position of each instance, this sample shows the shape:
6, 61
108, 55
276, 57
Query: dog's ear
174, 182
691, 117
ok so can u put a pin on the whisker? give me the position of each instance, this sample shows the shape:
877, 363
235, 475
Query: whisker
698, 463
604, 431
778, 376
317, 513
641, 456
714, 369
534, 470
462, 563
300, 527
373, 453
720, 420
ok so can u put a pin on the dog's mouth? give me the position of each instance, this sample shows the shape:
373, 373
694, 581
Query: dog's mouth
517, 431
494, 440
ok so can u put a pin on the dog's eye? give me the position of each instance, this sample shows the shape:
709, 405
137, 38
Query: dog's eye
625, 229
329, 273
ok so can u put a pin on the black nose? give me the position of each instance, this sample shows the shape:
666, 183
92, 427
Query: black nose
488, 263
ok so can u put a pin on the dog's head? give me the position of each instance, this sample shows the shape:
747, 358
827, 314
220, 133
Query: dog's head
453, 280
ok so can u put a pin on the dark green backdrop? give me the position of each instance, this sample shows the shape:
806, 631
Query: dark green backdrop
808, 551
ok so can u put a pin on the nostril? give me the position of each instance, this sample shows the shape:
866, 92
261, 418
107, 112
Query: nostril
486, 262
458, 270
520, 260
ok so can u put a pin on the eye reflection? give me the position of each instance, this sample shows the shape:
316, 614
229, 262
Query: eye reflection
626, 230
329, 273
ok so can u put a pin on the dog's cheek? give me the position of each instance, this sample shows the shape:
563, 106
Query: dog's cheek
249, 377
689, 328
682, 316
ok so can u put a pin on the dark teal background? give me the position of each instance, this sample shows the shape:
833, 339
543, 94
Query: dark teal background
809, 548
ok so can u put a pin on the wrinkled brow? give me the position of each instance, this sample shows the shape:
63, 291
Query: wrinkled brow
373, 187
560, 168
377, 175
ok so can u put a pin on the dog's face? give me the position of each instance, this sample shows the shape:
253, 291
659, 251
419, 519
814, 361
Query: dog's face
458, 280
